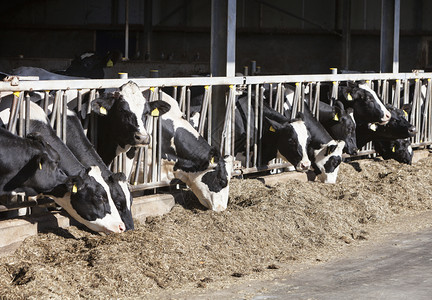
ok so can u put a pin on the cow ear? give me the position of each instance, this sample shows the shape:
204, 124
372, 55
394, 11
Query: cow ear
330, 149
274, 125
74, 184
158, 107
407, 108
300, 116
101, 106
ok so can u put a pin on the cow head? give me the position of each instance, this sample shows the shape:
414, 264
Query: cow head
86, 199
42, 171
126, 112
122, 198
367, 106
398, 127
399, 150
292, 140
327, 160
343, 127
90, 64
211, 186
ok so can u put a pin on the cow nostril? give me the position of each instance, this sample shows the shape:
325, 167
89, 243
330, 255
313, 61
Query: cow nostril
142, 138
122, 227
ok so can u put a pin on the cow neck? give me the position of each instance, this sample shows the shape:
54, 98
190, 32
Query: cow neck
81, 147
68, 162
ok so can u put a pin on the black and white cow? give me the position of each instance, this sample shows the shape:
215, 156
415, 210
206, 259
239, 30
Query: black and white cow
28, 165
398, 127
188, 157
324, 152
91, 64
84, 151
399, 150
89, 200
368, 108
340, 124
281, 138
121, 120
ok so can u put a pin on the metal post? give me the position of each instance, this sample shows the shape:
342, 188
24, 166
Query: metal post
389, 19
126, 55
346, 34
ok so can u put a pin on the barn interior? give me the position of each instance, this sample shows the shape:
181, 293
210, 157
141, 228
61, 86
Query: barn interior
175, 37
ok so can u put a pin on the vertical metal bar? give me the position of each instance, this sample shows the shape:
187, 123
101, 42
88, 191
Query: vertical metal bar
233, 106
209, 119
256, 113
127, 29
59, 116
174, 94
46, 102
159, 145
204, 108
271, 95
296, 100
54, 109
27, 115
154, 144
16, 103
248, 127
64, 111
182, 101
21, 117
137, 166
79, 104
261, 113
188, 96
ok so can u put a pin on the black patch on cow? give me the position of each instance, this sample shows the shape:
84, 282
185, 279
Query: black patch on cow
332, 163
191, 154
217, 179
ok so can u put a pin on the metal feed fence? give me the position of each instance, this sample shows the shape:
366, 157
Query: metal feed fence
146, 170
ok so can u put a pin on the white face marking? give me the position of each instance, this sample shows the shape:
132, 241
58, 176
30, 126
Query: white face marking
352, 117
378, 101
127, 194
410, 150
85, 55
113, 220
321, 159
212, 200
194, 120
133, 96
302, 134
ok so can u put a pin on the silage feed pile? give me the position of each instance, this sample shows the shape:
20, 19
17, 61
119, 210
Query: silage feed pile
264, 228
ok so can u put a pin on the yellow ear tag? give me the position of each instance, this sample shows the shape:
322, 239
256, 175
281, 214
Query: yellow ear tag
155, 112
103, 110
272, 129
74, 189
394, 149
336, 118
349, 97
40, 166
212, 160
110, 63
406, 114
16, 94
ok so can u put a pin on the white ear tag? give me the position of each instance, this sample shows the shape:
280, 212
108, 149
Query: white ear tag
373, 127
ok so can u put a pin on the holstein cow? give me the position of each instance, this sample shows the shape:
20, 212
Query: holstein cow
84, 151
89, 200
340, 126
281, 138
398, 127
188, 157
28, 165
324, 152
121, 120
368, 108
399, 150
91, 64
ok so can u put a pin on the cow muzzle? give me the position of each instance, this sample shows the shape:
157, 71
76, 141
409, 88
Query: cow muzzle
303, 166
141, 139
